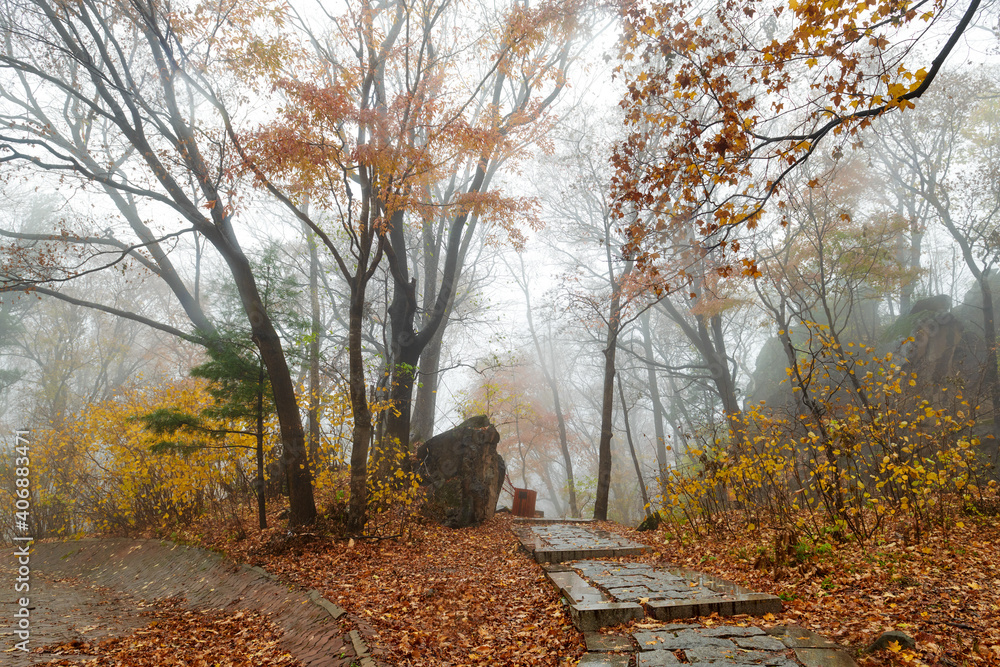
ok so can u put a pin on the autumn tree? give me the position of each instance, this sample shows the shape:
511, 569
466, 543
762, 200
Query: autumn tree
599, 286
242, 399
525, 52
132, 100
722, 105
399, 118
508, 391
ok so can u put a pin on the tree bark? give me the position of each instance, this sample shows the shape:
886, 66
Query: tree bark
302, 506
362, 431
608, 398
631, 447
422, 425
715, 359
261, 485
315, 330
654, 395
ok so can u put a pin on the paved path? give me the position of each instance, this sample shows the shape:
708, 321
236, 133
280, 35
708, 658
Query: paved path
125, 571
62, 611
602, 593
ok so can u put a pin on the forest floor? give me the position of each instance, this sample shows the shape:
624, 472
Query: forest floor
944, 591
472, 596
441, 597
436, 597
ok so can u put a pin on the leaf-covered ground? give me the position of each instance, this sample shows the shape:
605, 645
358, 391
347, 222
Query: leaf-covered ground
179, 636
446, 597
440, 597
943, 591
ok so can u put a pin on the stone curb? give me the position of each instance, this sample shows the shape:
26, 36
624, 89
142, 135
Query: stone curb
361, 649
320, 601
562, 555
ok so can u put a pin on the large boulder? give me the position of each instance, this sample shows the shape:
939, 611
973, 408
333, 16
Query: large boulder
463, 472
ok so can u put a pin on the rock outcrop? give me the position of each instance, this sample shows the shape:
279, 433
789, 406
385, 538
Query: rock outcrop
463, 472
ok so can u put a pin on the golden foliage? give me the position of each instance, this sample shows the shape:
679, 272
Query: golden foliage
859, 453
95, 471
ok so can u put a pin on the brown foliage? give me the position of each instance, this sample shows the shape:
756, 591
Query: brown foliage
180, 636
944, 592
437, 596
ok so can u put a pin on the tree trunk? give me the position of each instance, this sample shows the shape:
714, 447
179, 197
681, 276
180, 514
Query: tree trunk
428, 375
407, 343
631, 447
362, 432
314, 336
715, 359
607, 410
261, 503
654, 395
302, 506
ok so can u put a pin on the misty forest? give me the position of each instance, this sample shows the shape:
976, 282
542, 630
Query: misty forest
727, 273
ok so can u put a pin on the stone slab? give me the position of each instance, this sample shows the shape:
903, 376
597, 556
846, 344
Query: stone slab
562, 541
656, 659
795, 636
575, 588
674, 594
824, 657
680, 640
722, 654
606, 643
733, 631
590, 617
604, 660
730, 645
763, 643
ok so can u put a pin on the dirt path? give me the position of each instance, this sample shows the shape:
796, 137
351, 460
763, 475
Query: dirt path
89, 589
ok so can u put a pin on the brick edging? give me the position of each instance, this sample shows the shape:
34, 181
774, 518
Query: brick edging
160, 568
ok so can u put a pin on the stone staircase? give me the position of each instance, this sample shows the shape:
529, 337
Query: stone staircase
601, 593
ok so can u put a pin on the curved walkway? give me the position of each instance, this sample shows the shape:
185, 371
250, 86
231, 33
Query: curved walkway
131, 570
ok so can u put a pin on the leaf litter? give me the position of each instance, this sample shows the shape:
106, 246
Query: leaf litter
943, 591
179, 636
439, 597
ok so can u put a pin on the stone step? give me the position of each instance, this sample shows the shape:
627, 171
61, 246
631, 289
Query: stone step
556, 542
590, 608
602, 593
715, 646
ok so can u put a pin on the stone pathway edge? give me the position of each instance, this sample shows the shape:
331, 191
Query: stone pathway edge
55, 555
